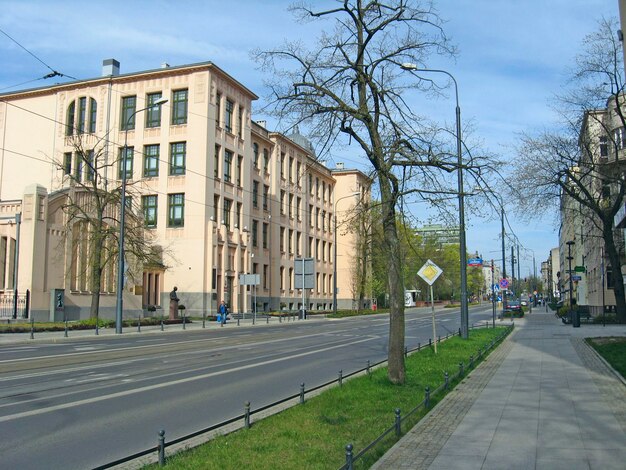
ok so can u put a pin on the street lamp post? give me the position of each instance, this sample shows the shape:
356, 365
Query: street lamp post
503, 261
462, 247
335, 249
120, 255
572, 315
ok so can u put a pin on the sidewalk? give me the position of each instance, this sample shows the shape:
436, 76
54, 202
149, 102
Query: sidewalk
542, 400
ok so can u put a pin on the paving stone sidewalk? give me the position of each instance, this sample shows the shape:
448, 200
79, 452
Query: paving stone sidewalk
542, 400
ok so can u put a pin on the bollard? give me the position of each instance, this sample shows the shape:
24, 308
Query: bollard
427, 397
246, 418
471, 363
161, 324
460, 369
459, 331
406, 351
398, 423
97, 332
369, 373
203, 319
253, 318
348, 465
302, 393
280, 317
439, 339
139, 325
419, 346
267, 319
32, 328
161, 447
430, 342
446, 379
65, 335
184, 325
238, 319
340, 380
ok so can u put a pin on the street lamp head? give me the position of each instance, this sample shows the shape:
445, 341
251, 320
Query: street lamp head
570, 242
408, 66
160, 101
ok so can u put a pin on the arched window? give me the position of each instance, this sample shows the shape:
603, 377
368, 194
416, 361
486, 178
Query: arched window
84, 120
71, 114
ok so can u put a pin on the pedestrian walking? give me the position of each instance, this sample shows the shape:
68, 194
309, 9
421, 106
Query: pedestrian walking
223, 311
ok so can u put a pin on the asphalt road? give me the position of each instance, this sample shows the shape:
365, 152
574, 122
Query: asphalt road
84, 402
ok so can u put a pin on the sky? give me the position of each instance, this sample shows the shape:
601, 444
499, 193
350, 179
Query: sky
514, 57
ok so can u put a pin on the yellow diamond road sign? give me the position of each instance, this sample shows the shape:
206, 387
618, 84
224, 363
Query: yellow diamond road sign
429, 272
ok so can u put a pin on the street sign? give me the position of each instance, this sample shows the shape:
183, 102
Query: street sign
504, 283
429, 272
580, 269
576, 278
308, 266
495, 288
475, 262
249, 279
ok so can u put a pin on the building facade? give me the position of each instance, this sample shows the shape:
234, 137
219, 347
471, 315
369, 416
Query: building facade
217, 194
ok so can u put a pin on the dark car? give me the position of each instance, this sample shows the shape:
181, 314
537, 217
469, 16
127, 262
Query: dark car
513, 305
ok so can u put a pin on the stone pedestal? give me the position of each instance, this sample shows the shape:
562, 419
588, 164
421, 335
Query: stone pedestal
173, 309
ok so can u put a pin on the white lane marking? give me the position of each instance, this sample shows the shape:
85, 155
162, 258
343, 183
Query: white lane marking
147, 388
63, 371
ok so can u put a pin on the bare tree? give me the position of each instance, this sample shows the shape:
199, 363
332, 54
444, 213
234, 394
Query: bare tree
91, 207
579, 167
349, 88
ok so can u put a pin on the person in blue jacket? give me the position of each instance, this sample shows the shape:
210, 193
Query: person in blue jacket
223, 311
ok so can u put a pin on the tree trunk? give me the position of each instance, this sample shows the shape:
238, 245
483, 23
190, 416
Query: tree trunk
614, 260
396, 368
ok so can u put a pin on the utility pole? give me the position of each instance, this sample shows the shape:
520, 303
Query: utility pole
513, 268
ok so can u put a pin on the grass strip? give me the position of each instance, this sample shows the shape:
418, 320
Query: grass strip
314, 435
613, 350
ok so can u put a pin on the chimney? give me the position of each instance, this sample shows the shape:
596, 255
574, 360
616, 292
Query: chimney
110, 67
339, 165
165, 65
263, 124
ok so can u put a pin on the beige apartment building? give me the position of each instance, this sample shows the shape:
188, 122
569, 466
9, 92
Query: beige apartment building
218, 195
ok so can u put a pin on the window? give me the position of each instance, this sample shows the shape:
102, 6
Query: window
290, 241
178, 151
266, 160
298, 204
255, 233
176, 210
298, 243
266, 197
604, 146
228, 118
290, 207
255, 194
127, 120
265, 276
255, 153
149, 206
324, 251
238, 215
265, 235
240, 122
291, 169
620, 138
311, 184
282, 239
239, 169
89, 166
282, 202
78, 166
216, 203
228, 165
93, 113
153, 113
282, 165
125, 163
151, 161
218, 109
324, 221
298, 169
82, 114
71, 114
317, 218
179, 107
216, 162
67, 163
317, 188
282, 278
226, 212
310, 215
324, 190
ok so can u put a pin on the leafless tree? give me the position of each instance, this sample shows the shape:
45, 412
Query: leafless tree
91, 207
579, 166
348, 88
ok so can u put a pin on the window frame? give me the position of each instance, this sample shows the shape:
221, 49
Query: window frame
153, 113
128, 112
176, 167
150, 211
180, 106
175, 201
151, 160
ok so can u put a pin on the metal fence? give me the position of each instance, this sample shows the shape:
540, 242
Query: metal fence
9, 309
247, 415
